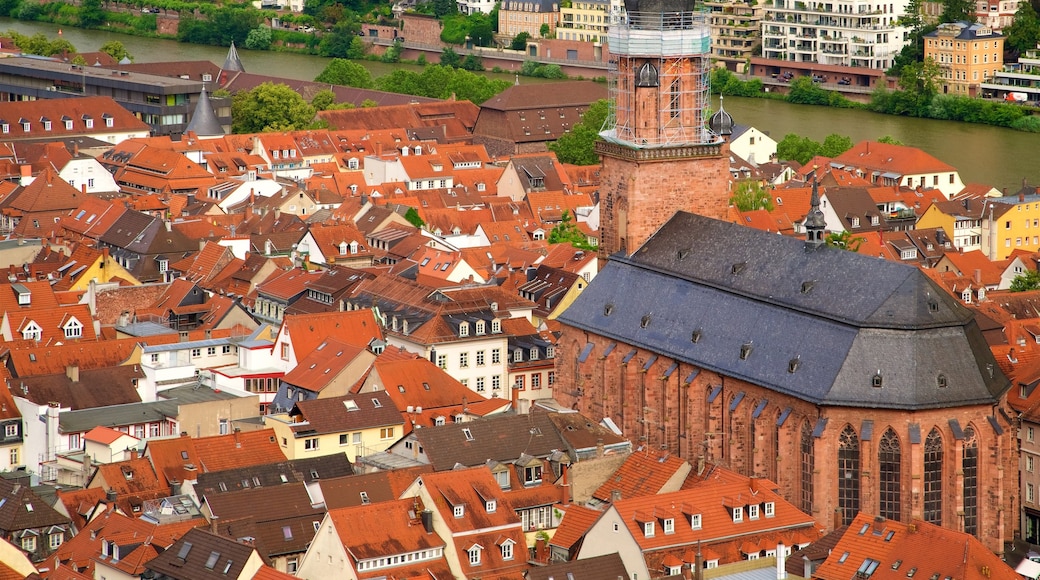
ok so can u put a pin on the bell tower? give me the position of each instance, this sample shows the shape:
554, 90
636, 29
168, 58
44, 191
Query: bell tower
659, 154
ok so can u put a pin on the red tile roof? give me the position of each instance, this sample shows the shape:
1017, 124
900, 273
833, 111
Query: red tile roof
645, 472
357, 328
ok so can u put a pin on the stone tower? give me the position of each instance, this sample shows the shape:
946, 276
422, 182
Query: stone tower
659, 155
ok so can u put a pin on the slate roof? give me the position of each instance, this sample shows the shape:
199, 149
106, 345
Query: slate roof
378, 486
597, 568
742, 291
321, 416
501, 438
306, 470
15, 515
197, 547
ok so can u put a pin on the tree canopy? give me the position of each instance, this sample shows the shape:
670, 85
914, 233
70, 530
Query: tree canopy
440, 82
1024, 32
802, 149
347, 73
116, 50
1028, 280
578, 146
40, 44
844, 240
270, 107
749, 195
567, 232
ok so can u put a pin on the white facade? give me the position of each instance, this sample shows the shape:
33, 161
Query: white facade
609, 535
753, 146
171, 365
86, 171
858, 33
479, 364
474, 6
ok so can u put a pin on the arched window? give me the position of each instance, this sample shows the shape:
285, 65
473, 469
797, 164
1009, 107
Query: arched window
970, 468
933, 475
890, 474
808, 465
848, 474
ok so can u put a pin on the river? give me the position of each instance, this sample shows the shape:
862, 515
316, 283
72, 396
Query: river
983, 154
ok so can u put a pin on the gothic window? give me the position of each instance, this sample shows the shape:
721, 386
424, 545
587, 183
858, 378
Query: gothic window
933, 473
889, 470
674, 96
970, 467
808, 465
647, 76
848, 474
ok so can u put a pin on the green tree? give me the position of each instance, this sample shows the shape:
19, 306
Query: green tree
442, 8
347, 73
958, 11
116, 50
368, 104
796, 147
889, 140
806, 92
749, 195
323, 100
270, 107
343, 41
919, 83
472, 62
520, 41
259, 38
8, 7
78, 59
1028, 280
450, 58
91, 14
913, 50
567, 232
834, 145
392, 53
1024, 32
544, 31
413, 217
844, 240
578, 146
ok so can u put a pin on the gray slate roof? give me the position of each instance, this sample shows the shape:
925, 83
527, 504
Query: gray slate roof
204, 122
844, 317
232, 62
501, 438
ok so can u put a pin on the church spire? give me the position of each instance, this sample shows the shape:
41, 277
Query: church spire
232, 62
815, 224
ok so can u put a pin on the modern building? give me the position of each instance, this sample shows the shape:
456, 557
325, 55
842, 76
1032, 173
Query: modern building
860, 33
166, 104
736, 29
968, 54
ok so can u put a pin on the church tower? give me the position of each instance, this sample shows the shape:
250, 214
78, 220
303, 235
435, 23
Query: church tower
659, 154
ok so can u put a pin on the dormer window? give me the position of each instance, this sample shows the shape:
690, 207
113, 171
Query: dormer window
458, 511
648, 529
518, 355
770, 509
874, 220
32, 331
109, 120
464, 329
496, 326
474, 555
73, 328
26, 126
752, 511
46, 125
534, 353
342, 248
507, 549
5, 128
489, 506
669, 526
855, 222
480, 327
695, 521
738, 514
88, 122
68, 123
352, 163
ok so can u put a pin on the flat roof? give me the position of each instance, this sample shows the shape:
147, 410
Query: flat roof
44, 68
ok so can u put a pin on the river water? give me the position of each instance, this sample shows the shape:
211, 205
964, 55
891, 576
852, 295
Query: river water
991, 155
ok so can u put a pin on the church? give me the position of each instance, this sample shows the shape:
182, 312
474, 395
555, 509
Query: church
856, 384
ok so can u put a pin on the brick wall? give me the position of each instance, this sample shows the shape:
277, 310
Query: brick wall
657, 411
421, 28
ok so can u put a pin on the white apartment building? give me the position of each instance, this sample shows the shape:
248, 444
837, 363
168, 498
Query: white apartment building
860, 33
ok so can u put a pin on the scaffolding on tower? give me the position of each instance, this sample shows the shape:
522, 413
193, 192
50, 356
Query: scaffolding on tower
658, 80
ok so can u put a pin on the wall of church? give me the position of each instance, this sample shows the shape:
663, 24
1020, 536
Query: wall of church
759, 432
659, 188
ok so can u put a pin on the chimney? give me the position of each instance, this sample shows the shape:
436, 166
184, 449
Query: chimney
277, 213
26, 173
72, 371
83, 188
837, 518
427, 521
781, 562
1004, 194
213, 524
978, 276
134, 454
169, 225
111, 495
615, 496
599, 447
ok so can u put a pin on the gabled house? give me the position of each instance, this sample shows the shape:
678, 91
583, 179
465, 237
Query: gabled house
961, 218
146, 245
36, 209
886, 164
532, 173
552, 289
181, 459
377, 540
725, 517
340, 244
29, 522
353, 425
470, 512
301, 334
202, 555
330, 370
911, 549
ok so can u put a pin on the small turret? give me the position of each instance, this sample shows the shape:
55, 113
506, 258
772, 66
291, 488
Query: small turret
815, 224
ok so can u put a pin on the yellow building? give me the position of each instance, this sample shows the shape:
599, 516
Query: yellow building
1009, 224
961, 218
584, 21
968, 54
516, 16
356, 425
